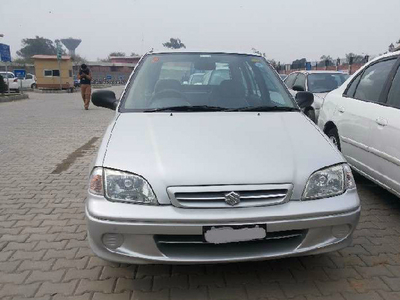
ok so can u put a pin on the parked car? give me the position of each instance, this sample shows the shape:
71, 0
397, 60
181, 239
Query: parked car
222, 172
362, 118
320, 83
11, 81
196, 79
77, 82
283, 76
29, 82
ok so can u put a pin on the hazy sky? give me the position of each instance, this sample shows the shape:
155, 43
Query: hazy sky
284, 29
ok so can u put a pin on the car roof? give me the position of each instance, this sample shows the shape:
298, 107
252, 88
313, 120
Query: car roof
194, 51
320, 72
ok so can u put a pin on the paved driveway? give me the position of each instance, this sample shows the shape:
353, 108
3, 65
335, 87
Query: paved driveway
46, 145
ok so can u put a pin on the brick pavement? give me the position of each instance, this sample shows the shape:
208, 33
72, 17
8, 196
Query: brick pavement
46, 145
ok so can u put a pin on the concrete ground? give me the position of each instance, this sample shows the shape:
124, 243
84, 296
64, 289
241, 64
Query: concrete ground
46, 145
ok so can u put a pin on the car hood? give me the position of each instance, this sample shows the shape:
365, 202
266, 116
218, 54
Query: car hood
218, 148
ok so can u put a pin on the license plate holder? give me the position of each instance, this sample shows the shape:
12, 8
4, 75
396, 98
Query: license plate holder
225, 234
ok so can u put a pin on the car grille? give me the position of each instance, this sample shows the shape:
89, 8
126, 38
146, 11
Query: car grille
216, 196
189, 246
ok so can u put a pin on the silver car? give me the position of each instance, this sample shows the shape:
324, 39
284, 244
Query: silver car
221, 172
320, 83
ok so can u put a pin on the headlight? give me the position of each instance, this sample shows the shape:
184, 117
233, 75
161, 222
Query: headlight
122, 187
329, 182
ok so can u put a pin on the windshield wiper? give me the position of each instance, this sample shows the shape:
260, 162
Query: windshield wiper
187, 108
265, 108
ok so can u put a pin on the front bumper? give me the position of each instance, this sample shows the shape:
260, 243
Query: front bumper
167, 234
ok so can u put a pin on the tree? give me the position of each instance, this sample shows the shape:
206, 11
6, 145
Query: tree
115, 54
135, 54
326, 60
119, 54
391, 47
77, 59
37, 45
258, 52
299, 63
3, 85
174, 43
356, 58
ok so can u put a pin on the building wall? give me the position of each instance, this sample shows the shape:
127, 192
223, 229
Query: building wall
53, 81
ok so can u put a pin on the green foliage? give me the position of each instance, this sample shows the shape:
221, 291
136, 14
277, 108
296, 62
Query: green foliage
174, 43
3, 85
258, 52
35, 46
356, 58
78, 59
326, 60
119, 54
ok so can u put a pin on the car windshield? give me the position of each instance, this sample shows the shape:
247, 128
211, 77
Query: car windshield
325, 82
201, 81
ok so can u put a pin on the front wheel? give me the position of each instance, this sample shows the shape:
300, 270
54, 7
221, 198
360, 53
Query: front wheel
333, 135
33, 86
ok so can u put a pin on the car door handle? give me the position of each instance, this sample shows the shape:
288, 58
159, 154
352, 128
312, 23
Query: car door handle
341, 109
381, 121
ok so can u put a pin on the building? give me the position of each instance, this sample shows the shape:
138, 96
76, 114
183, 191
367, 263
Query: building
48, 72
125, 59
117, 69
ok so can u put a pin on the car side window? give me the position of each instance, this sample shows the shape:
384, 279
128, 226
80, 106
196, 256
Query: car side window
351, 89
394, 92
290, 80
28, 76
373, 81
300, 81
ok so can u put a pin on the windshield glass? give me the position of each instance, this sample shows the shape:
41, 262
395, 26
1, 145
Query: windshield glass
325, 82
226, 81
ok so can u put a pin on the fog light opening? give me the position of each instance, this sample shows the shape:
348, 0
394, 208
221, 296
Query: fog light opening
113, 240
341, 231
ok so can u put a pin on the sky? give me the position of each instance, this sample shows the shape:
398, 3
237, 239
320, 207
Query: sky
284, 29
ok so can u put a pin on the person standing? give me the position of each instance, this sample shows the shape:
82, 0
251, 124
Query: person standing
85, 77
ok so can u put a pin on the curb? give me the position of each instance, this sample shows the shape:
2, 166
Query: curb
54, 91
13, 98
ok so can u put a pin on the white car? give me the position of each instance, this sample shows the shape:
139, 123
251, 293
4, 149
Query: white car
362, 118
11, 81
29, 82
320, 83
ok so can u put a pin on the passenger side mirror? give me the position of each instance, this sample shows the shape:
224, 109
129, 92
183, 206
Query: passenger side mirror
105, 99
298, 88
304, 99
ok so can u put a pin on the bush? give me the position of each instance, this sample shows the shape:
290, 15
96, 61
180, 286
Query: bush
3, 85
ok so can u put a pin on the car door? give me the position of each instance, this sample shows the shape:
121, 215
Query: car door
385, 134
289, 81
300, 83
355, 113
27, 81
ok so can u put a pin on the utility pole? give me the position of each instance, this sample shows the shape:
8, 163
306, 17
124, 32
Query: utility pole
59, 53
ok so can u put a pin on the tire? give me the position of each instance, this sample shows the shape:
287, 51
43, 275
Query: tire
310, 113
333, 135
33, 86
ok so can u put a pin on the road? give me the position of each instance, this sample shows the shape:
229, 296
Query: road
46, 145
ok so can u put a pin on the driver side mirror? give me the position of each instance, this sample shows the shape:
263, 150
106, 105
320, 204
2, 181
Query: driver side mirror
298, 88
105, 99
304, 99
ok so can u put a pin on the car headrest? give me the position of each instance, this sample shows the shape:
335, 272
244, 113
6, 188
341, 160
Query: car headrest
230, 88
167, 84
